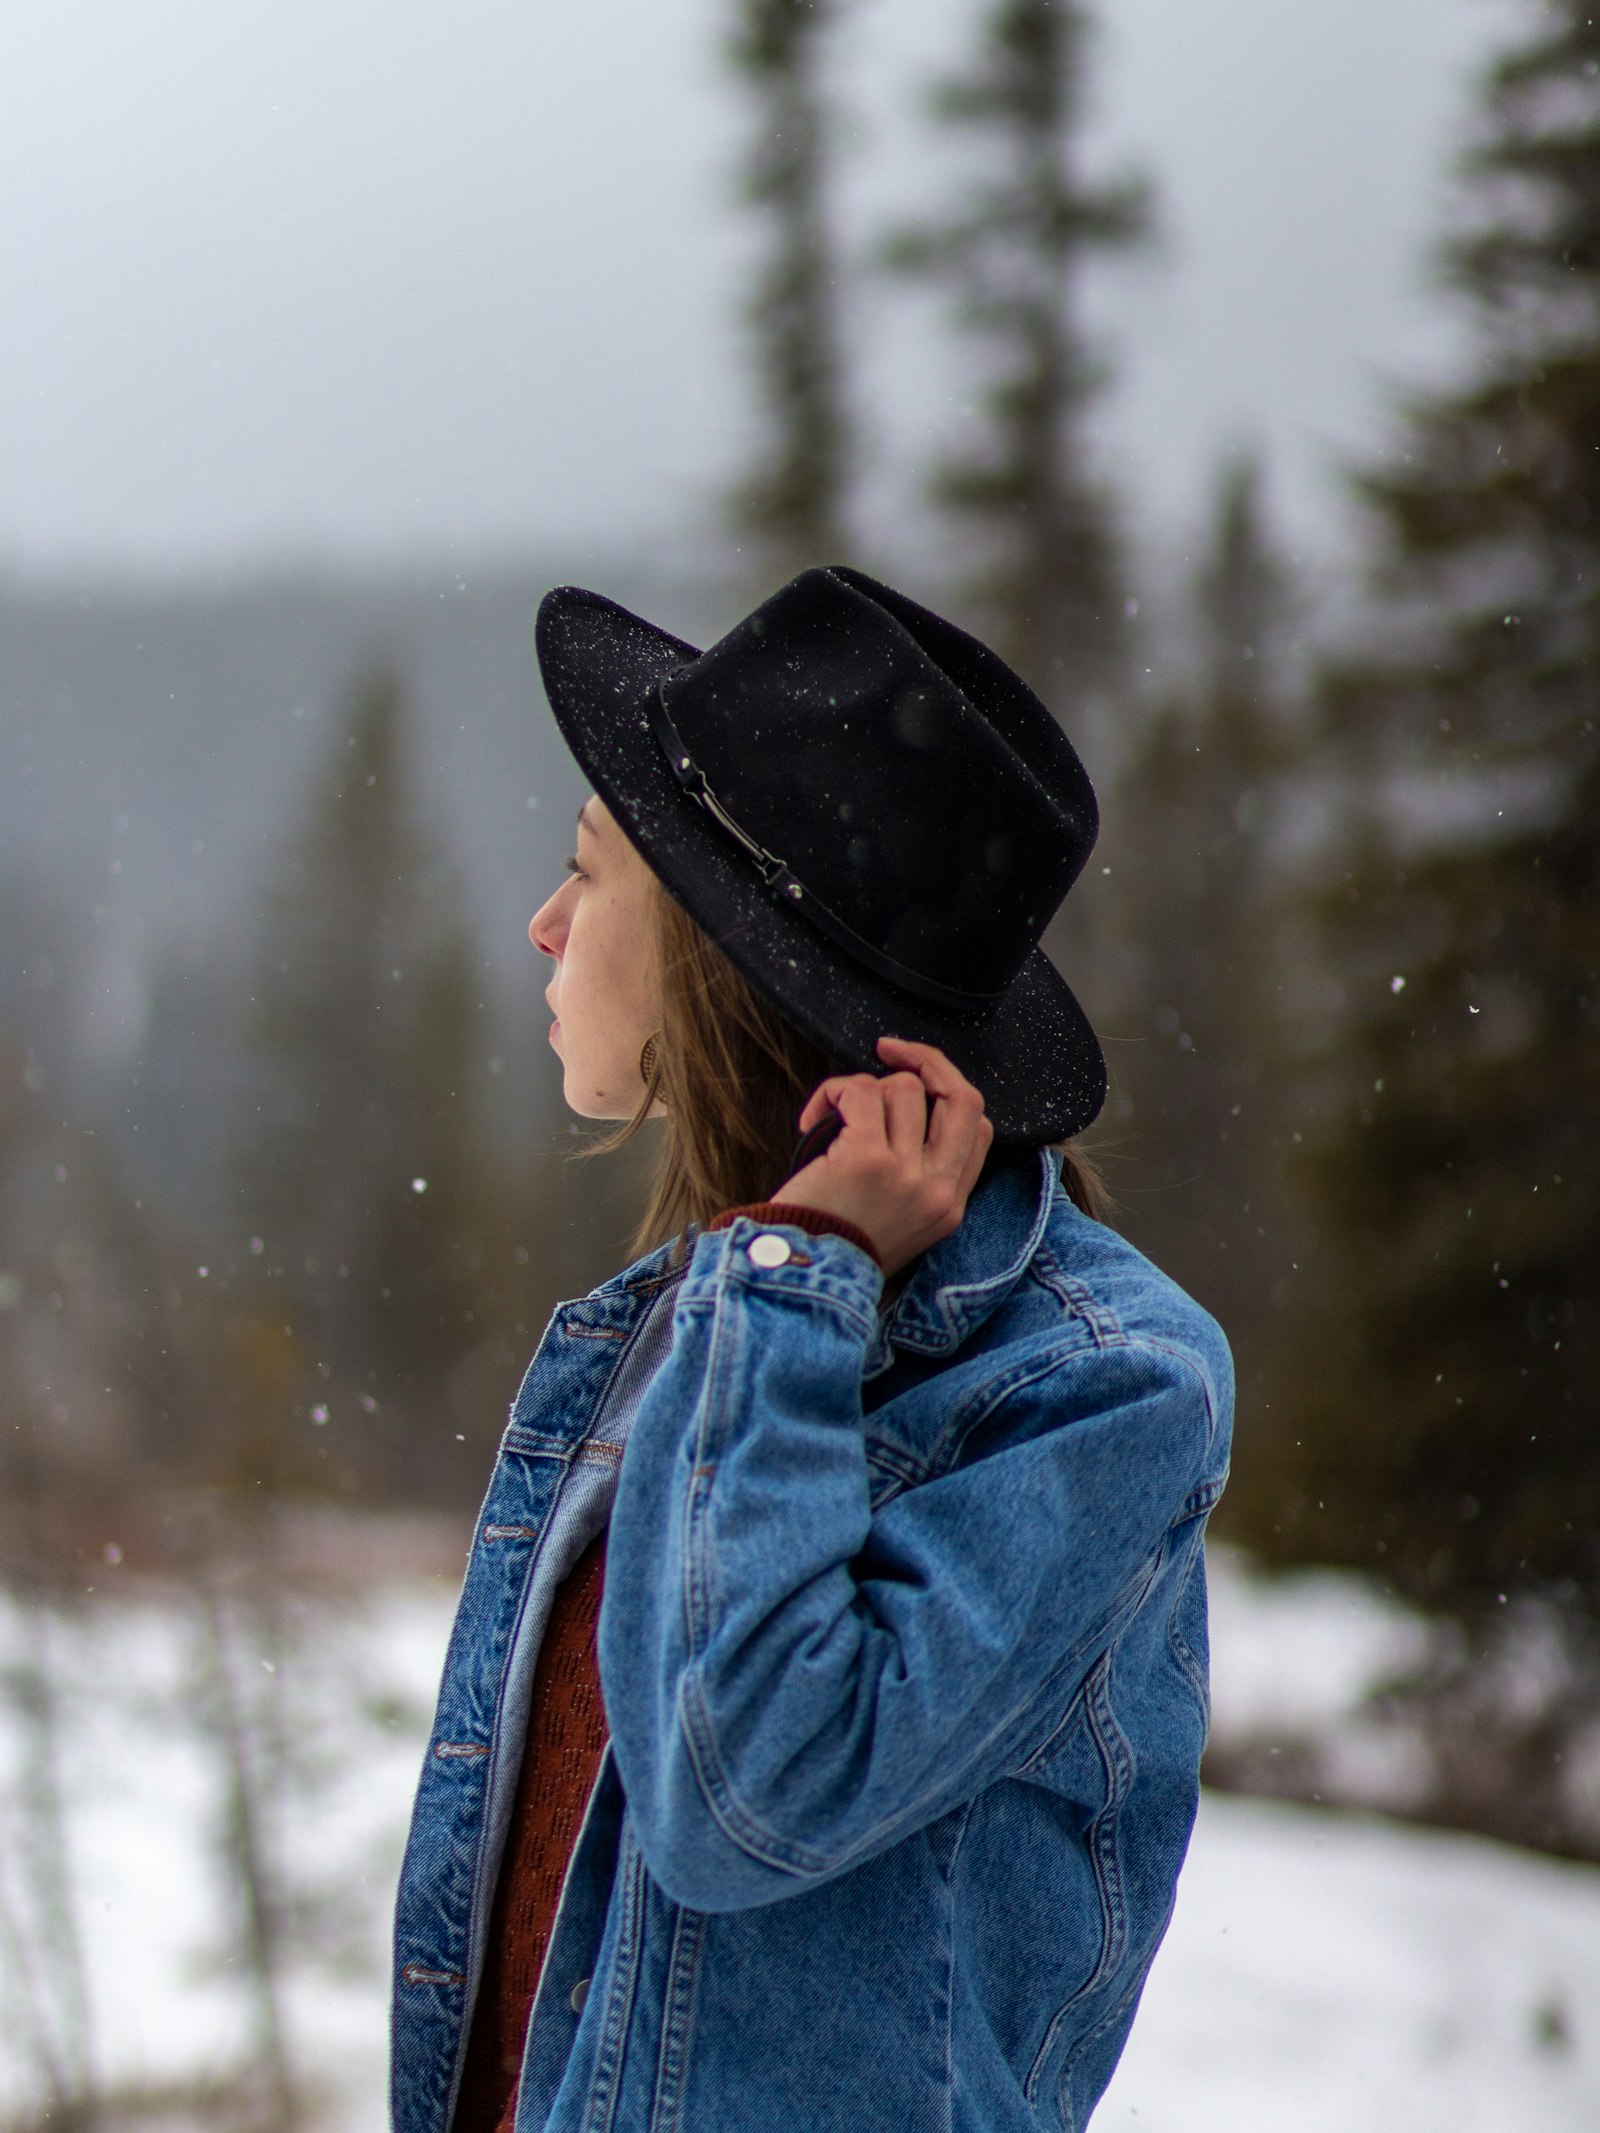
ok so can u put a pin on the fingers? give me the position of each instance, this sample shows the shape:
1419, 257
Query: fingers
825, 1097
956, 1117
815, 1105
891, 1110
924, 1110
906, 1113
858, 1099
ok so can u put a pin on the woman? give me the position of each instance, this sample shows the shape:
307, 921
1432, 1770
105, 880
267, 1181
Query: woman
817, 1746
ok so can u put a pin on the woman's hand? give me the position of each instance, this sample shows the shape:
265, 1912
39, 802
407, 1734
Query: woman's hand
907, 1156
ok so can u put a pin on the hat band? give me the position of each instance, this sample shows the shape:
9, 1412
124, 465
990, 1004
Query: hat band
780, 876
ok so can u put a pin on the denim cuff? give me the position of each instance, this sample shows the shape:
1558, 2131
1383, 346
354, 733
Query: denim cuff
811, 1219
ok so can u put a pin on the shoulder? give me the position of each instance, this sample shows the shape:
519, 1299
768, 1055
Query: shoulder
1091, 1342
1109, 1297
1093, 1334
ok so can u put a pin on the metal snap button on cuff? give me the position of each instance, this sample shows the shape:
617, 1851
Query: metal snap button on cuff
769, 1250
578, 1994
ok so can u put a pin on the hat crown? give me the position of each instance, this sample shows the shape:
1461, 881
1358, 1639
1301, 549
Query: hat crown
900, 771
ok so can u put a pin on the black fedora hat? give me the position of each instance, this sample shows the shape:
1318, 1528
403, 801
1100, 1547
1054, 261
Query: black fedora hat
866, 810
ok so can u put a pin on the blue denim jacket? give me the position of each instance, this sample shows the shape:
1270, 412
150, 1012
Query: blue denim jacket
903, 1652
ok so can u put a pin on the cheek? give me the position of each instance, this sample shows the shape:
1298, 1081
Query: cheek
596, 948
608, 954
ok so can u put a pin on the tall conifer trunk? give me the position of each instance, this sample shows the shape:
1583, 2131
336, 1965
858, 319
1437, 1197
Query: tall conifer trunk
1048, 575
1195, 845
794, 501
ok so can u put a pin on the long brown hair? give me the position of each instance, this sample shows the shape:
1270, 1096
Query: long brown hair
734, 1074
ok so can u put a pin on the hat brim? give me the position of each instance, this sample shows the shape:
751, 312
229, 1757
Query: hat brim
1032, 1054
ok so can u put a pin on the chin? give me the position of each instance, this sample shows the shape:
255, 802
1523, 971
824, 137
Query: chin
589, 1103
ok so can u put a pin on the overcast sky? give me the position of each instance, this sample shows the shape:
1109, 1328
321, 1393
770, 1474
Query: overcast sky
367, 279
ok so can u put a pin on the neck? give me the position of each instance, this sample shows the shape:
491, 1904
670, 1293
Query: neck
896, 1282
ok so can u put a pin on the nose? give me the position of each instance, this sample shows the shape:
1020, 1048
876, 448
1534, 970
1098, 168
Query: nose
545, 928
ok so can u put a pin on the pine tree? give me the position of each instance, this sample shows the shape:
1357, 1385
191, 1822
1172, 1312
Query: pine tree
1445, 1406
794, 502
380, 1216
1193, 842
101, 1317
1049, 589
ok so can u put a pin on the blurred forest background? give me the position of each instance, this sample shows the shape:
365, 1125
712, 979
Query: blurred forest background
287, 1190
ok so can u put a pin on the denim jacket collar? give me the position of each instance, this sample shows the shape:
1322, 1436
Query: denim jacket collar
958, 1282
967, 1275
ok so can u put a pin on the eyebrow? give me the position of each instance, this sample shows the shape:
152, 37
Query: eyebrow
589, 826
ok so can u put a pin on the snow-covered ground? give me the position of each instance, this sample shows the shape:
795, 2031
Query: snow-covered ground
1328, 1973
1324, 1973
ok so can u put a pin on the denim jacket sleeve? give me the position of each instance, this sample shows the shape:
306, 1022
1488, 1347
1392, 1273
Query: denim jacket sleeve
794, 1681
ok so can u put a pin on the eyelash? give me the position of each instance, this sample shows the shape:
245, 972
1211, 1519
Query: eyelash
574, 868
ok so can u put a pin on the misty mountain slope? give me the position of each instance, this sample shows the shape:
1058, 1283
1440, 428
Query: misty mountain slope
156, 746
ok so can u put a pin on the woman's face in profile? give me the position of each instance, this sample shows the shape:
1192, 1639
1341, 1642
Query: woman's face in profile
603, 992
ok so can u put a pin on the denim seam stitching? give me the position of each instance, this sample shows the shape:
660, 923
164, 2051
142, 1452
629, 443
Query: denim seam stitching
733, 1817
949, 2098
1116, 1761
1105, 1328
893, 1469
1074, 2056
521, 1442
696, 1539
1053, 1740
1201, 1377
823, 1286
568, 1453
1202, 1499
683, 1972
1182, 1651
1124, 1606
605, 2084
995, 1393
857, 1320
768, 1848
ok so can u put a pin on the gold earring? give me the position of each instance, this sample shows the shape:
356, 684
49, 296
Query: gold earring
647, 1058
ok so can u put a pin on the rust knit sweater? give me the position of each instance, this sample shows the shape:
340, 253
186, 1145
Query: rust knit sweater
561, 1758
